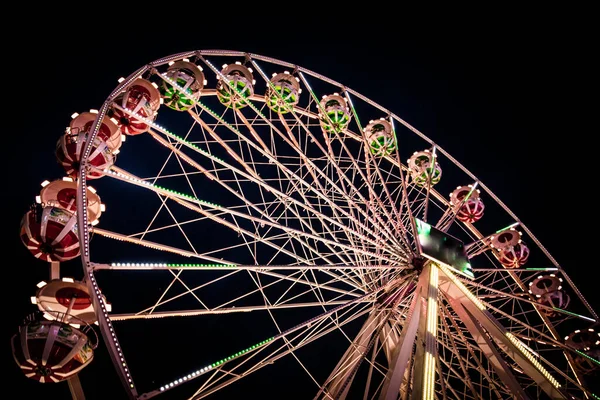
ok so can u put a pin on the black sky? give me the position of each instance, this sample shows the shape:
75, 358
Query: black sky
512, 102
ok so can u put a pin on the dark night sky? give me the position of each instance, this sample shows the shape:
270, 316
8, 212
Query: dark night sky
510, 103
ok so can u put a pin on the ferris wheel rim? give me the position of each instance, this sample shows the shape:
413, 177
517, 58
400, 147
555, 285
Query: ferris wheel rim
81, 198
222, 52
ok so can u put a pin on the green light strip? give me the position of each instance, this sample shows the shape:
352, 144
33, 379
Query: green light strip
573, 314
239, 353
218, 117
163, 265
508, 227
541, 269
314, 96
289, 107
233, 86
354, 112
179, 138
394, 131
201, 265
588, 357
209, 367
186, 196
469, 194
167, 190
174, 136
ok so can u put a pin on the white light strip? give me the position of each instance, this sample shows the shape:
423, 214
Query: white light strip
431, 339
293, 267
524, 350
462, 287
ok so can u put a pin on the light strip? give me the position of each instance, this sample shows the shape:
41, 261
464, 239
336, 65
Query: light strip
163, 265
541, 269
508, 227
431, 337
588, 357
573, 314
532, 359
462, 287
207, 368
432, 303
294, 267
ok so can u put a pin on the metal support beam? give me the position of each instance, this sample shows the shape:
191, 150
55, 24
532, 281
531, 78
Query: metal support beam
54, 270
404, 347
339, 381
75, 388
452, 288
489, 349
426, 349
389, 339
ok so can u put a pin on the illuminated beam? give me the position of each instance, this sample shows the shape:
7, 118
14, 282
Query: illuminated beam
404, 347
452, 288
424, 371
489, 350
339, 381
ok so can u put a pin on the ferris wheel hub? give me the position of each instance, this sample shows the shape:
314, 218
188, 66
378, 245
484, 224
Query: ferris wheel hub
418, 262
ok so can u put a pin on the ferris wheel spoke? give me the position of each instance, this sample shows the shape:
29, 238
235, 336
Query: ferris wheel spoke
164, 293
164, 199
371, 161
452, 346
338, 383
311, 168
541, 341
223, 310
419, 202
451, 389
269, 303
405, 219
540, 314
152, 245
343, 180
351, 157
523, 326
445, 380
357, 170
507, 296
308, 223
346, 176
229, 149
394, 186
204, 207
268, 267
293, 177
307, 205
269, 270
478, 322
316, 284
375, 350
230, 189
205, 256
402, 201
488, 349
245, 362
428, 185
458, 336
302, 340
279, 279
267, 121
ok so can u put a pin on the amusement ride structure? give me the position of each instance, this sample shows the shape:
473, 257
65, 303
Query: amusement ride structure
255, 191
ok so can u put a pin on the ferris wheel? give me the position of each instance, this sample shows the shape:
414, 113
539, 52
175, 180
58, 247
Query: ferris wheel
265, 221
